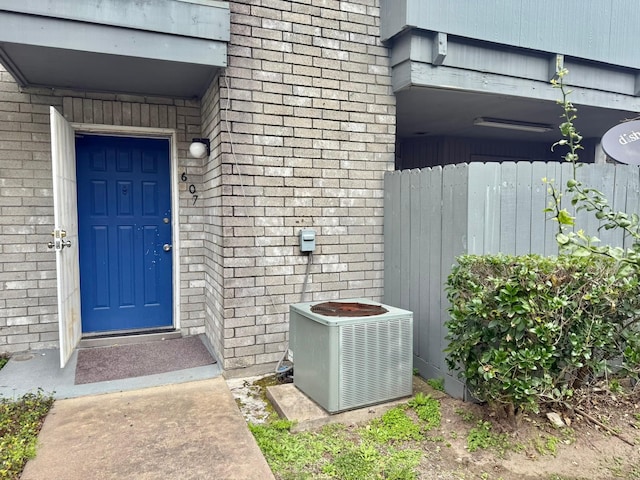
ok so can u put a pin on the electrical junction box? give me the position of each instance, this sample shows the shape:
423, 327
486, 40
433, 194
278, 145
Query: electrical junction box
347, 362
307, 240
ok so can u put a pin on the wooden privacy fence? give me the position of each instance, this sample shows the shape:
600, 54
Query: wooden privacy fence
434, 214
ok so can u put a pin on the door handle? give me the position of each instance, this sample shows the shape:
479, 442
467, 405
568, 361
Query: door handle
58, 241
59, 244
166, 247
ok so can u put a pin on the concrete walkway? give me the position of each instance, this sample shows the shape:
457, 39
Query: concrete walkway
182, 431
175, 425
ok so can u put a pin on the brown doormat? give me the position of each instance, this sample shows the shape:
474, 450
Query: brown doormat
126, 361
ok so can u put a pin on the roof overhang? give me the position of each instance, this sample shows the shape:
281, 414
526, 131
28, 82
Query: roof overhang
157, 47
444, 84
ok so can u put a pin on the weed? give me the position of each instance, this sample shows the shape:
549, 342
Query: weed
3, 361
394, 425
617, 468
546, 445
427, 409
482, 436
359, 462
20, 422
416, 372
283, 451
436, 383
335, 452
465, 415
615, 387
401, 464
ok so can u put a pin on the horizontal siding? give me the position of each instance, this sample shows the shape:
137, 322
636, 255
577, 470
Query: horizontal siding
600, 30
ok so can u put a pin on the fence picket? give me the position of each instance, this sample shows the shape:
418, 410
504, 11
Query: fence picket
538, 204
432, 316
405, 238
508, 207
632, 200
392, 228
523, 199
415, 254
424, 278
476, 210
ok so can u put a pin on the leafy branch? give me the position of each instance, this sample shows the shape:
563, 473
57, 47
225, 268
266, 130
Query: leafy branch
589, 199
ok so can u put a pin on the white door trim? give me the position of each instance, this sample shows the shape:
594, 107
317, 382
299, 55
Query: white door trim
172, 136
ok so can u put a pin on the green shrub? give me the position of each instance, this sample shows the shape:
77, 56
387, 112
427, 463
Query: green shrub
527, 330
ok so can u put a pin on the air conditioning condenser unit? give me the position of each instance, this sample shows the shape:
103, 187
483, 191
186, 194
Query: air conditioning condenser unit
351, 353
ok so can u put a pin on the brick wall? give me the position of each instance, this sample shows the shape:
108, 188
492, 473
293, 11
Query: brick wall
312, 125
302, 129
28, 302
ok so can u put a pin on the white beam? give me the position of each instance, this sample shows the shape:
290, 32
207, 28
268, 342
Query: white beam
439, 48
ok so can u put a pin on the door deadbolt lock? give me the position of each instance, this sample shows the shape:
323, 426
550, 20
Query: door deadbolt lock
166, 247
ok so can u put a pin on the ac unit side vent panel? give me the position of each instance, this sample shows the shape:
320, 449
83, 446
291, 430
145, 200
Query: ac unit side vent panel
375, 358
347, 363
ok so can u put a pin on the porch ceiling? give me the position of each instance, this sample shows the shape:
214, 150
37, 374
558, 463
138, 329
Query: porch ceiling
423, 111
168, 48
444, 82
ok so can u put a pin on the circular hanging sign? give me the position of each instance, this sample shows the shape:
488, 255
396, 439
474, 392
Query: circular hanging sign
622, 142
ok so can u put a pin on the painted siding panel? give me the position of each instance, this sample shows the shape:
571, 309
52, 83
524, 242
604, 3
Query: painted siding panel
603, 29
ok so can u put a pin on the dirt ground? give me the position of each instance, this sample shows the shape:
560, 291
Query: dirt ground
538, 450
535, 450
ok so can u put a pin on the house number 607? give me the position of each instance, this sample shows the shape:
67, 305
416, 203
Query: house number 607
192, 187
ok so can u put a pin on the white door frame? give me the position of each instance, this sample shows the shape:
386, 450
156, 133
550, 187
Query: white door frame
171, 135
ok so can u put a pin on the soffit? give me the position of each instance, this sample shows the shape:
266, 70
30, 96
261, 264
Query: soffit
167, 48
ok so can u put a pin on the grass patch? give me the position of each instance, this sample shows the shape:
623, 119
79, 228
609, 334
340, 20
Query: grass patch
482, 436
20, 422
546, 445
379, 450
427, 409
394, 426
436, 384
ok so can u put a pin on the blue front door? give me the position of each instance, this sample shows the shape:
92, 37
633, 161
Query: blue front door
124, 223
